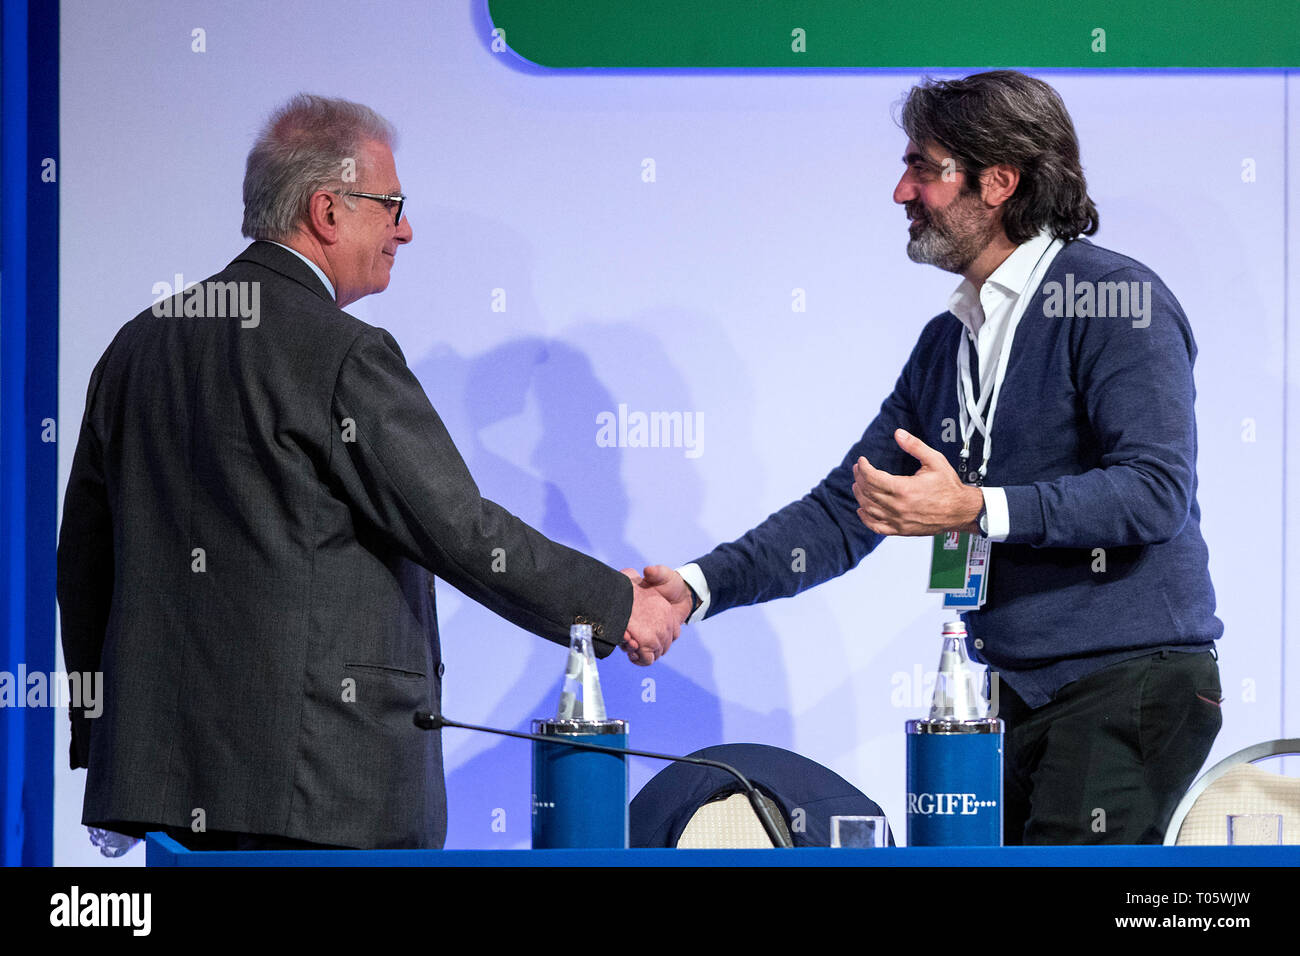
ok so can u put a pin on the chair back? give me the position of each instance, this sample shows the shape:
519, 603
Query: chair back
1238, 785
806, 796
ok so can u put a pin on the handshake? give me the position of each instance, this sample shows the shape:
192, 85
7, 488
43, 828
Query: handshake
931, 500
661, 603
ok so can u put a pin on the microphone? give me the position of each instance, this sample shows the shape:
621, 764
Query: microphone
775, 833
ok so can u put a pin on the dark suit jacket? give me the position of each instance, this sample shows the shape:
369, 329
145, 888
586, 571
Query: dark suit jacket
246, 531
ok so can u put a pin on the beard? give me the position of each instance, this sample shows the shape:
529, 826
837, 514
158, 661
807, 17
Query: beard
950, 238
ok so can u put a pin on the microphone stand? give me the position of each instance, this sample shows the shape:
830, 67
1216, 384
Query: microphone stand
429, 721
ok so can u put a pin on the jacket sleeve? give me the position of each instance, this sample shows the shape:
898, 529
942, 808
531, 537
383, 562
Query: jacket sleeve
1137, 389
401, 471
85, 564
820, 536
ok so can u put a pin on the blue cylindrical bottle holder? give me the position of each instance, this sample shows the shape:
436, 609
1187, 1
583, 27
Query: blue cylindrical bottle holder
579, 796
954, 782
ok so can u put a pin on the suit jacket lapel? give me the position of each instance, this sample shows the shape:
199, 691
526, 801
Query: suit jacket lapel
284, 262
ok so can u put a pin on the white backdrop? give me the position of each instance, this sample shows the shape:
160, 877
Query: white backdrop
676, 295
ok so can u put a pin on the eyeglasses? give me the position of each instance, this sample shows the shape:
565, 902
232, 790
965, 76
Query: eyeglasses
398, 201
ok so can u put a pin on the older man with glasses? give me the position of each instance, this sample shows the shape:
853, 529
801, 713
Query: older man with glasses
257, 508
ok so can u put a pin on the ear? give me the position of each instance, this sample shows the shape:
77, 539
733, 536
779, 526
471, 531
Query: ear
998, 184
322, 216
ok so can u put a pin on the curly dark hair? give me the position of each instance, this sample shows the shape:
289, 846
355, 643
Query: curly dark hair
1003, 116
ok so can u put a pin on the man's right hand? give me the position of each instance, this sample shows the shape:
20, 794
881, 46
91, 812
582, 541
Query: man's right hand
654, 623
673, 587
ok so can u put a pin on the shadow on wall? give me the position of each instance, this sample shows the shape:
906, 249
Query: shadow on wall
523, 415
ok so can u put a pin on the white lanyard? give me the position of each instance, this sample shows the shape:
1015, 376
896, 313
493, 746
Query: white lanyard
972, 414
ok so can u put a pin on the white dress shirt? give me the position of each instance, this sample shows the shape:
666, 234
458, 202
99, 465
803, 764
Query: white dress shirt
314, 268
986, 314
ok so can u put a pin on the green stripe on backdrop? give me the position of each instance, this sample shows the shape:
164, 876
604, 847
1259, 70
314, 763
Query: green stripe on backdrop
871, 33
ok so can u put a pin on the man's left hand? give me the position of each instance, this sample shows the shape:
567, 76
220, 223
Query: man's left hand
932, 500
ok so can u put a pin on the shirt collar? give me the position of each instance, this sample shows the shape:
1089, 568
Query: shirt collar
320, 274
1007, 281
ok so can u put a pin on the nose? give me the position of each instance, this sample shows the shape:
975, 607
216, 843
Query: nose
404, 232
906, 189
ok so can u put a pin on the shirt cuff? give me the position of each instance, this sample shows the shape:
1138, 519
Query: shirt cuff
997, 513
693, 576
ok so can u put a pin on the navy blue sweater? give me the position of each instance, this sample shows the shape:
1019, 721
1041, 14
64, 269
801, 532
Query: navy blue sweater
1094, 441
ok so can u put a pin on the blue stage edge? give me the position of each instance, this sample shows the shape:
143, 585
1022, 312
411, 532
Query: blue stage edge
162, 850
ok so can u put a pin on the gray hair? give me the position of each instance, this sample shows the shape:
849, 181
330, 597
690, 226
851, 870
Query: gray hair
305, 146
